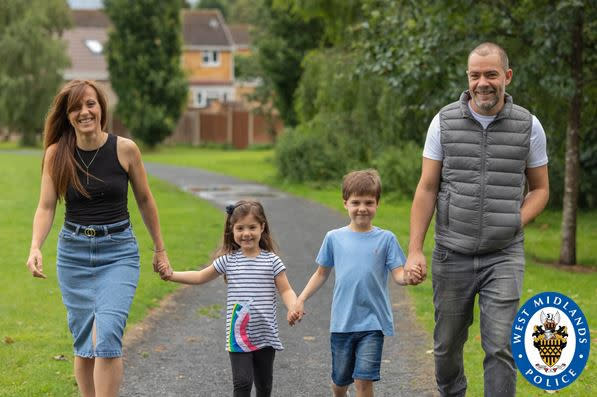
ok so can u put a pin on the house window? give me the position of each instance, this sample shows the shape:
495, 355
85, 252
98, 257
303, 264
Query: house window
210, 58
94, 46
200, 100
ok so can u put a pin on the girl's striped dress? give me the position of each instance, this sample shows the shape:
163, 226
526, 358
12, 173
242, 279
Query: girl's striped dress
251, 300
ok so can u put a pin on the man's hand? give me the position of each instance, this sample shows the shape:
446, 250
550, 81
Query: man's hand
416, 268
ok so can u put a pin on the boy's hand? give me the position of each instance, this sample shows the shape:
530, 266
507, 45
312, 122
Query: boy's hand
416, 268
292, 318
414, 276
296, 314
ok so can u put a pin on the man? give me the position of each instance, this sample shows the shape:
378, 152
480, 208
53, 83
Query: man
480, 154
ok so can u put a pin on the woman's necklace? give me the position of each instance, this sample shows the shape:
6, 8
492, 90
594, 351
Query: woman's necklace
87, 165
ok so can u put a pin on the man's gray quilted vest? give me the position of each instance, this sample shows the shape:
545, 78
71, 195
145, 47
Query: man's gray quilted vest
482, 178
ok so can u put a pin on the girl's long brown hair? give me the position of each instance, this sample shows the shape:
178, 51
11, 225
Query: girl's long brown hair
241, 209
58, 130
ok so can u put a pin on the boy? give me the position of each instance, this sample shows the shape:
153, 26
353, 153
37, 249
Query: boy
362, 256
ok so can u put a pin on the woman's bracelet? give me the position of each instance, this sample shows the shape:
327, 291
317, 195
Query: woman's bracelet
156, 251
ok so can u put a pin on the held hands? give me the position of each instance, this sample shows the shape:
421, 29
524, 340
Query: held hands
415, 270
34, 263
296, 314
161, 264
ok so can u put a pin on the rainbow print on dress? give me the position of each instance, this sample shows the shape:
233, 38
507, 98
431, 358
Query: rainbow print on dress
238, 341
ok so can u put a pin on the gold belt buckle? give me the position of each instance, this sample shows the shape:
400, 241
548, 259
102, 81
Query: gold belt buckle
89, 232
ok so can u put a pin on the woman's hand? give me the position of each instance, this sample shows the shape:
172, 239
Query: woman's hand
161, 264
34, 263
165, 271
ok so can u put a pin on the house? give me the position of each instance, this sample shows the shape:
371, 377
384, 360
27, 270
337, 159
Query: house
242, 47
85, 44
209, 48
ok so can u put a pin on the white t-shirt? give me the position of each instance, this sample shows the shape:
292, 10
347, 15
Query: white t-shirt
537, 152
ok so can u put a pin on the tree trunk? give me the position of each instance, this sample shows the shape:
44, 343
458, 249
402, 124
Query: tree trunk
569, 209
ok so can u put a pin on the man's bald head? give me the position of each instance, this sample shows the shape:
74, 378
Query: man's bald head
487, 48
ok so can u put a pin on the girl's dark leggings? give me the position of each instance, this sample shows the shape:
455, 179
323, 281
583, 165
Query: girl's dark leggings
255, 366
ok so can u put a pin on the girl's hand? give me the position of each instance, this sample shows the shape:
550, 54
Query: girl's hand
296, 314
291, 317
159, 257
34, 263
161, 264
165, 271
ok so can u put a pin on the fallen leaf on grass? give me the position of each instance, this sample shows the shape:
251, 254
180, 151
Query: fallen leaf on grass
8, 340
60, 357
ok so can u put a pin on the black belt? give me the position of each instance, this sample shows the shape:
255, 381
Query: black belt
97, 231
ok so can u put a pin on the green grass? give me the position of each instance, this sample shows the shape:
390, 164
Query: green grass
9, 145
33, 326
253, 165
542, 242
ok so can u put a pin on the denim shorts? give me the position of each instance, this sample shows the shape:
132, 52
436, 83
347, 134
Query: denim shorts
356, 355
98, 277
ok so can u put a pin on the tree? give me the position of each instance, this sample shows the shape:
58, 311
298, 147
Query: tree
419, 47
144, 59
337, 16
33, 57
221, 5
243, 11
282, 39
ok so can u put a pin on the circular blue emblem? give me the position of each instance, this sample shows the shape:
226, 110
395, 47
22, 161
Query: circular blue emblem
550, 340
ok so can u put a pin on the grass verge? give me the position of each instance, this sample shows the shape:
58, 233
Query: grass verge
34, 333
541, 243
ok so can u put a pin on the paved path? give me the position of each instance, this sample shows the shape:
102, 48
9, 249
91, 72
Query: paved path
181, 349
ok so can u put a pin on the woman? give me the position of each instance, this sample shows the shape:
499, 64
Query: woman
98, 256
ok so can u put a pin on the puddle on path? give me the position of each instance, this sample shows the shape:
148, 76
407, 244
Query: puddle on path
229, 194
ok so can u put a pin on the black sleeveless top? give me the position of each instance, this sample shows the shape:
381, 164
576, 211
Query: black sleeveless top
108, 203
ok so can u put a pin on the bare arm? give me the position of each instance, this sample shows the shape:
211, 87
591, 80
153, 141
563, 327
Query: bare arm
536, 199
130, 158
315, 282
194, 276
285, 290
44, 217
421, 213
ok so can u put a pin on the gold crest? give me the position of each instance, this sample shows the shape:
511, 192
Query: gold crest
550, 341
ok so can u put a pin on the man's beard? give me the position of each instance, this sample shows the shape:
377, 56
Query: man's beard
486, 105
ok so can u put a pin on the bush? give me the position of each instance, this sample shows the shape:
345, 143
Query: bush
400, 169
303, 155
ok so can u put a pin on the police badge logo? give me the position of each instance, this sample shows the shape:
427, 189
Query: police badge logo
550, 340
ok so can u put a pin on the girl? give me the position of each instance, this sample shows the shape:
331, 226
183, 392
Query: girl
253, 272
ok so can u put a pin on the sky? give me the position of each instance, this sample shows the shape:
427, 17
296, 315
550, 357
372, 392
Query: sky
94, 4
85, 4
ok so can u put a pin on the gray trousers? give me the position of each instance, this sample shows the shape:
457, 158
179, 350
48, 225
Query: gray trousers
457, 279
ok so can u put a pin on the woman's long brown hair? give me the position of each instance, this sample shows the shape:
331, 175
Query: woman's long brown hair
241, 209
58, 130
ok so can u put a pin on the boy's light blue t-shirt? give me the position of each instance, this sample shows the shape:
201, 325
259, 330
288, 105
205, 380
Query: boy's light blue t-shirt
362, 262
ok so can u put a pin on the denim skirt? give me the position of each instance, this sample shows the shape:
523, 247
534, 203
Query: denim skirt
98, 277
